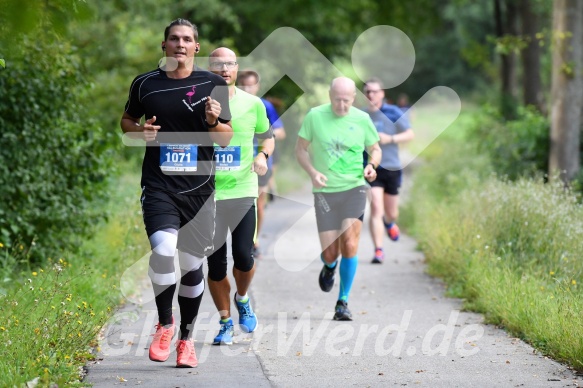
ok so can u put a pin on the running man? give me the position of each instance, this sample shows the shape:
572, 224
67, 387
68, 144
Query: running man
394, 129
236, 196
182, 122
330, 148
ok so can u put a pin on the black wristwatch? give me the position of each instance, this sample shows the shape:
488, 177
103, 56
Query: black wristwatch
266, 154
212, 125
373, 166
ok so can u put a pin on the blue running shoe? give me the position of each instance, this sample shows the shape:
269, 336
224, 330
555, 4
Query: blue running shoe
247, 318
226, 332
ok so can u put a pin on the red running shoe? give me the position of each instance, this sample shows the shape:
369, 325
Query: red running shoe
160, 346
393, 231
185, 355
379, 256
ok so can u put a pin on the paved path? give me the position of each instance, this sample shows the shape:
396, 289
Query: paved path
405, 332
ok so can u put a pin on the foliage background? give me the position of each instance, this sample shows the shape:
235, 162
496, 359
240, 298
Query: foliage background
65, 69
69, 64
55, 157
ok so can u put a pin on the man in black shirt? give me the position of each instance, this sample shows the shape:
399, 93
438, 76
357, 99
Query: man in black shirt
186, 110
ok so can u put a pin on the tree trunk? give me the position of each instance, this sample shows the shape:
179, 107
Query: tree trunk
531, 81
567, 88
506, 25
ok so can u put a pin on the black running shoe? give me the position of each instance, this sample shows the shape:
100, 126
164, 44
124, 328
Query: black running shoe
326, 278
342, 312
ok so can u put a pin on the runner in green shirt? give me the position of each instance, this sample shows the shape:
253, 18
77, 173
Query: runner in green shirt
330, 148
236, 195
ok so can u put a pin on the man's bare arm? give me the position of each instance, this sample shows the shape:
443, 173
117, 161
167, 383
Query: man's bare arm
303, 157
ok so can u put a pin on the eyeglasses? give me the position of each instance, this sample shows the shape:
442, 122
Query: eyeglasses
372, 91
219, 65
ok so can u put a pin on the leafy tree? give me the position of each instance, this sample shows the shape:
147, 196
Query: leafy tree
531, 55
567, 88
26, 16
54, 157
116, 50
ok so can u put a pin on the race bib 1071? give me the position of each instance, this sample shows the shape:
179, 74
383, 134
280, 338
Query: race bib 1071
178, 157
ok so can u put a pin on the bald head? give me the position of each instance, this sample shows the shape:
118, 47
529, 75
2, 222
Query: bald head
223, 52
223, 61
343, 84
342, 94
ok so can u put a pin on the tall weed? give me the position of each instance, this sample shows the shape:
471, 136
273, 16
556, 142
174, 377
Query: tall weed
511, 249
50, 315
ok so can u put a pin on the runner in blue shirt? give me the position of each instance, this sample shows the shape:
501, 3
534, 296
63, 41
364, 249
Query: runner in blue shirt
393, 130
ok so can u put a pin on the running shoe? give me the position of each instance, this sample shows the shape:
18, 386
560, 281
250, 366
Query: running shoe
326, 278
392, 231
160, 346
185, 354
247, 318
342, 313
379, 256
226, 332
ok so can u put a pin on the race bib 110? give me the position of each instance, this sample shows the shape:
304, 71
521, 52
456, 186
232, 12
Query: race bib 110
228, 158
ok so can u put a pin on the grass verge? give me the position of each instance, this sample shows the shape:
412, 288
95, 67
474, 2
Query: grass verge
510, 249
50, 317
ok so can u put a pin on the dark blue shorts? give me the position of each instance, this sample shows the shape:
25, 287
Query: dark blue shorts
390, 180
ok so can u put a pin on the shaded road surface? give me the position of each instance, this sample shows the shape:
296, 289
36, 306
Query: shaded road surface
405, 332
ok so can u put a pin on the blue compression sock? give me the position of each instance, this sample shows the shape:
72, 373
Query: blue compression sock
347, 272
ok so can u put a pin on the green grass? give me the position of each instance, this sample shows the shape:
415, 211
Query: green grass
511, 250
51, 316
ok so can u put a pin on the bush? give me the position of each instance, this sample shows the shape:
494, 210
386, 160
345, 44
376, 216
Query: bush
516, 147
54, 158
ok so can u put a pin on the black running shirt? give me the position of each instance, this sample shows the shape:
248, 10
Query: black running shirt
181, 159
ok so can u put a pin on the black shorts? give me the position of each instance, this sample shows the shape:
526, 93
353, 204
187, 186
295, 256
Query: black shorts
390, 180
240, 217
264, 179
192, 215
333, 208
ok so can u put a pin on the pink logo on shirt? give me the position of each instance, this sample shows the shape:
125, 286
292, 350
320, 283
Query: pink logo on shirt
190, 94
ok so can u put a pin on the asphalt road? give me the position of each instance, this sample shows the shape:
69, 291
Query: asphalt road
405, 332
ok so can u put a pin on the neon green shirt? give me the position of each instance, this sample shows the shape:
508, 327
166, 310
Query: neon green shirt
337, 145
234, 178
